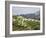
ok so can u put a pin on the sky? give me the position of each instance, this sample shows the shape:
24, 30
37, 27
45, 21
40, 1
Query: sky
24, 10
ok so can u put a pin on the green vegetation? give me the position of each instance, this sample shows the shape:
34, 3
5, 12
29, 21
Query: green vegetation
19, 24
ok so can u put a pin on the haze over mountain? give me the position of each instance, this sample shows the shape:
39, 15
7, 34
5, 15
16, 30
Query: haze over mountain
33, 13
32, 16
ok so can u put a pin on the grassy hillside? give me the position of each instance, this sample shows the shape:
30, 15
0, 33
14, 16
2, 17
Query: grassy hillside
19, 24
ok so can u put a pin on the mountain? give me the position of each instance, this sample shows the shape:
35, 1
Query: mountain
28, 16
35, 15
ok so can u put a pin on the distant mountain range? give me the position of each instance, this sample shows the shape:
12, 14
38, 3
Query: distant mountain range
32, 16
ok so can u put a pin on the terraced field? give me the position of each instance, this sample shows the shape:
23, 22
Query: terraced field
20, 23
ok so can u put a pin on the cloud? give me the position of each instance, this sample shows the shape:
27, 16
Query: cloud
24, 10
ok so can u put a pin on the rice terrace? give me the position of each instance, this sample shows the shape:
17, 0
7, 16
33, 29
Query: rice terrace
21, 23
